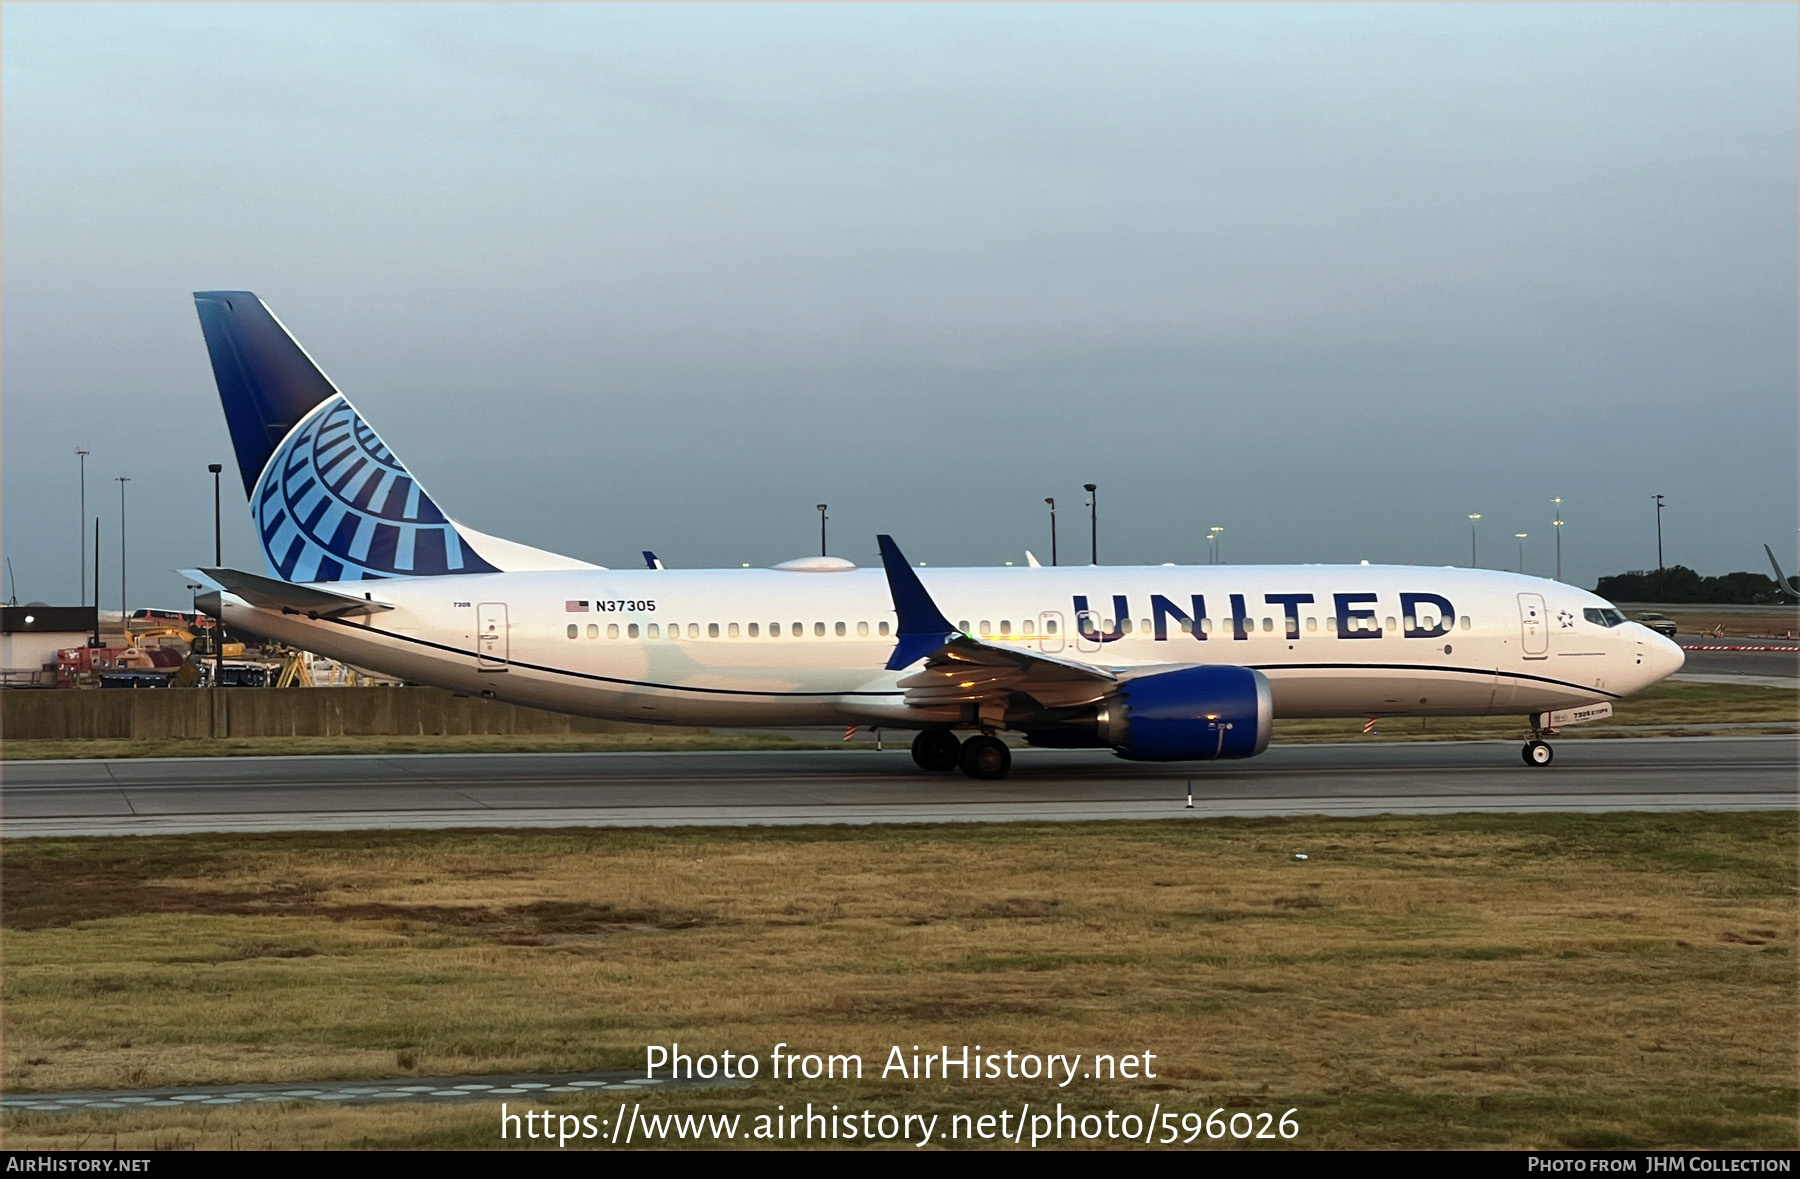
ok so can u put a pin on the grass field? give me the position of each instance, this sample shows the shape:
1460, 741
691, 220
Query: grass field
1548, 980
1704, 619
1664, 708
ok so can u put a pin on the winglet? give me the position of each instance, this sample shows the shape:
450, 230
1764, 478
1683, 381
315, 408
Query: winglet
922, 627
651, 560
1781, 579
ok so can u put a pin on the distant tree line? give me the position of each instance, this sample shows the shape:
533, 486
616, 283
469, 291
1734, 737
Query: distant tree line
1679, 584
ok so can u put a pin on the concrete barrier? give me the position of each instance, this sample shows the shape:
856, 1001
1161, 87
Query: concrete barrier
74, 714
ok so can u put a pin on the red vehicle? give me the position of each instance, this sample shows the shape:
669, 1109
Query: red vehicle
74, 664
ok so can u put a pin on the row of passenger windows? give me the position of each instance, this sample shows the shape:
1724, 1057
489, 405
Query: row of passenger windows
986, 629
714, 630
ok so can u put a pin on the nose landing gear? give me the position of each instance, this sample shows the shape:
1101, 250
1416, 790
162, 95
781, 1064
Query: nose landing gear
1537, 751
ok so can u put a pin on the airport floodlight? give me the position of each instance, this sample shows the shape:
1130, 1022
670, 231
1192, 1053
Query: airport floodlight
1212, 538
1051, 500
1474, 563
218, 562
124, 614
1521, 539
1558, 522
218, 548
81, 531
822, 519
1662, 587
1093, 524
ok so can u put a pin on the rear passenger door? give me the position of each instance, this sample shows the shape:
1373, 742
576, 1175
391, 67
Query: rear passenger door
492, 645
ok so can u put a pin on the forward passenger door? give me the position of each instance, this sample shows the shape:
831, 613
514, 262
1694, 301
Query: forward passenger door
1534, 627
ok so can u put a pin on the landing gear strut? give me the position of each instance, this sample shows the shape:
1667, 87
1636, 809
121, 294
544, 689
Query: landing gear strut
1537, 752
986, 758
936, 750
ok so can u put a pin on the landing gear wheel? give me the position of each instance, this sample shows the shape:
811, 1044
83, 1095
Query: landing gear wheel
936, 750
1537, 753
986, 758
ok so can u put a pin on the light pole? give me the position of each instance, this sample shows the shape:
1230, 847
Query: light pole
1557, 500
1093, 523
1474, 563
1212, 535
81, 532
822, 519
1051, 500
1662, 579
218, 562
1521, 537
124, 615
218, 558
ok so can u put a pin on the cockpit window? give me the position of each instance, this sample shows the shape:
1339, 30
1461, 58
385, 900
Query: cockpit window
1608, 617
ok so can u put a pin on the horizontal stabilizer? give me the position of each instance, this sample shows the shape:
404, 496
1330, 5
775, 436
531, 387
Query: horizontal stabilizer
272, 594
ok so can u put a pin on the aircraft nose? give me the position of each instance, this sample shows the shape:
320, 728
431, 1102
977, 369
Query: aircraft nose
1662, 658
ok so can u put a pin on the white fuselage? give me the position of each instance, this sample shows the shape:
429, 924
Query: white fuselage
771, 647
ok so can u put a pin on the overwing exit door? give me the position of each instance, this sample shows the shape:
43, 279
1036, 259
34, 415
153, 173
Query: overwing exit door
1534, 626
1087, 625
492, 648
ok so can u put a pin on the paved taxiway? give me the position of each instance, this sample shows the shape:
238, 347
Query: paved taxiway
155, 795
1769, 669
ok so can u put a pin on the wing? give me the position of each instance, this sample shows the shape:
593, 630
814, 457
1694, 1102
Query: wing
969, 671
961, 669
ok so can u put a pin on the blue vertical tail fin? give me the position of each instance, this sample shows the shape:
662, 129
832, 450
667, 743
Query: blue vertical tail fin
330, 501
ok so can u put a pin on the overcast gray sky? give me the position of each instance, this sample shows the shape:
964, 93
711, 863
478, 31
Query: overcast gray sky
612, 278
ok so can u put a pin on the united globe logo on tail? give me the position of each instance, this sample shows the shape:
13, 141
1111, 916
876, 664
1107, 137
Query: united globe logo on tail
334, 504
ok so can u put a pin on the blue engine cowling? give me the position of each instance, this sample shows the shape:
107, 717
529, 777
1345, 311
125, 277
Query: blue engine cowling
1195, 714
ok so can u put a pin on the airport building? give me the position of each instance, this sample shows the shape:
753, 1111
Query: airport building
31, 636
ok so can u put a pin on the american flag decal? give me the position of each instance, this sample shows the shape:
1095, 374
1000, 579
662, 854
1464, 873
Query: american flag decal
578, 607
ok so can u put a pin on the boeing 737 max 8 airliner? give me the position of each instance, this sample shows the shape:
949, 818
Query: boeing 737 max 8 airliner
1163, 663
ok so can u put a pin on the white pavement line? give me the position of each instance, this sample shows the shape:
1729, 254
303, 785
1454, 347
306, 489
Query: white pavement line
1586, 802
1749, 681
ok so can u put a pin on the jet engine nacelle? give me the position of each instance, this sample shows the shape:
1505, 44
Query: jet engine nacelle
1196, 714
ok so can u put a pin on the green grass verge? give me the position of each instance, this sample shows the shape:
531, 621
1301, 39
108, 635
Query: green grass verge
1592, 981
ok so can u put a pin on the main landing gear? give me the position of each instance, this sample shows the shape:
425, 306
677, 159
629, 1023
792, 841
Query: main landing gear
936, 750
983, 757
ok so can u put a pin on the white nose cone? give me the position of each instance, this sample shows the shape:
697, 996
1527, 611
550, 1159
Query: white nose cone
1662, 658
